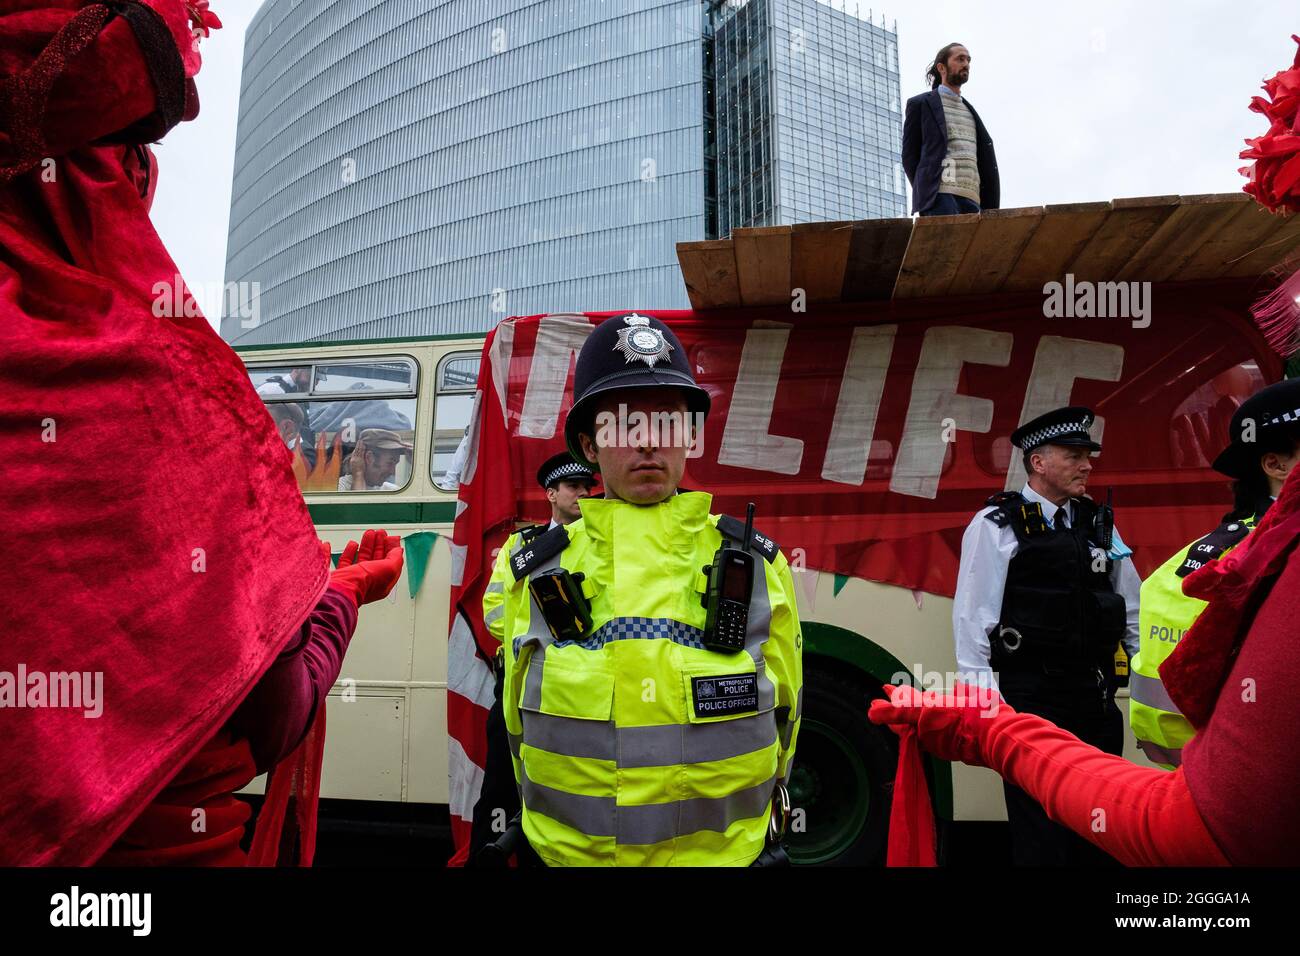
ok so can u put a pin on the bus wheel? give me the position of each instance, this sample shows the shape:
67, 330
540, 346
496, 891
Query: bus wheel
843, 775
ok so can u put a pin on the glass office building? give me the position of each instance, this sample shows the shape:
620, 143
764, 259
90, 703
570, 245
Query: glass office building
807, 122
419, 167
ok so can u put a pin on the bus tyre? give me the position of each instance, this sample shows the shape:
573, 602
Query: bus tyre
844, 765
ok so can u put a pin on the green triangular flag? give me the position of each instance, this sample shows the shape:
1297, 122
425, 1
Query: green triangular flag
840, 581
418, 547
334, 557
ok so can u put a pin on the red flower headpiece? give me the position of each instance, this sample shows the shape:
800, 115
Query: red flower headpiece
1275, 175
202, 18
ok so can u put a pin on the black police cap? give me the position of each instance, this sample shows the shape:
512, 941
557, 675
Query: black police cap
562, 466
1263, 423
1062, 426
625, 352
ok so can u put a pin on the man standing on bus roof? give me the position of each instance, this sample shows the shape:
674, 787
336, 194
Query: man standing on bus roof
1045, 595
653, 650
947, 153
566, 482
1263, 448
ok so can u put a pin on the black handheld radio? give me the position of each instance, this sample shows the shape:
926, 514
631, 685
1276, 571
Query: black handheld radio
726, 598
1104, 524
563, 605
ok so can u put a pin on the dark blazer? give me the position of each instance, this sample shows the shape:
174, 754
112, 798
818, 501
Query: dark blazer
925, 144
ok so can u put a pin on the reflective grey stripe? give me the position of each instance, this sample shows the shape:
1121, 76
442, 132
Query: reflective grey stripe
514, 744
593, 816
532, 699
493, 614
570, 736
695, 743
494, 587
654, 746
648, 823
1150, 691
788, 729
1157, 754
657, 822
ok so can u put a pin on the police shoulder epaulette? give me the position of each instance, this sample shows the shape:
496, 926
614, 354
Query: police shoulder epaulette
532, 531
1213, 545
734, 529
530, 555
1004, 504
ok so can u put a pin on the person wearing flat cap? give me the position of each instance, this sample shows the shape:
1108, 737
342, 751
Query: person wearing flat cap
372, 465
1263, 448
1046, 593
566, 482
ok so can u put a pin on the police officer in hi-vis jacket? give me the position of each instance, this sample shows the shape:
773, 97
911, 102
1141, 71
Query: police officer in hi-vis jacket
652, 649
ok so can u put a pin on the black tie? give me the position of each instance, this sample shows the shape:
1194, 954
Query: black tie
1059, 521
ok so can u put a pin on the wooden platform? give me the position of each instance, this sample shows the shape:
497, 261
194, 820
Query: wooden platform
1148, 239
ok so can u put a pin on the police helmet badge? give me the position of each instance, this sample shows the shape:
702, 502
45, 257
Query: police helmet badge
641, 341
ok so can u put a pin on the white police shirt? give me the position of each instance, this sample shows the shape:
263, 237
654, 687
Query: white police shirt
986, 551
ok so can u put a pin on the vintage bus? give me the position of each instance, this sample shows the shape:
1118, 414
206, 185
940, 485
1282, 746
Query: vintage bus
1167, 388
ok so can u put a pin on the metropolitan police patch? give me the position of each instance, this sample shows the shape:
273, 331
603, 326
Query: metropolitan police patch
724, 695
641, 341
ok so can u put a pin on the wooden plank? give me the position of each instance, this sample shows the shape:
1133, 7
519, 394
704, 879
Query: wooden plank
1126, 230
999, 239
876, 253
938, 245
1059, 238
763, 264
1179, 236
1279, 247
819, 254
709, 271
1237, 237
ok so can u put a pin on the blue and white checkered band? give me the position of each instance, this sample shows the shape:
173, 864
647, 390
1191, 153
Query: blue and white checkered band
1045, 435
640, 340
1285, 418
568, 470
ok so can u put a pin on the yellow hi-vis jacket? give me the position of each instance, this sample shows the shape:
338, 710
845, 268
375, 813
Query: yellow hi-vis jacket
494, 594
637, 745
1166, 614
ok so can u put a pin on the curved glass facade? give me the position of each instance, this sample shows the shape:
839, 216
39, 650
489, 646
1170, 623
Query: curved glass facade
430, 167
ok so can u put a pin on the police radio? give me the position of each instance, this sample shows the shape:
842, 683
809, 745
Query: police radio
563, 605
726, 598
1103, 526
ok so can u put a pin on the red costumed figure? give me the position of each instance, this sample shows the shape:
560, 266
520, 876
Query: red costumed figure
175, 626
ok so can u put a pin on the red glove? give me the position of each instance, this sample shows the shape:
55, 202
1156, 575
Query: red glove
1139, 815
367, 572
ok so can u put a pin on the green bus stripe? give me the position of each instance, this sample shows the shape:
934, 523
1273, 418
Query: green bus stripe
384, 512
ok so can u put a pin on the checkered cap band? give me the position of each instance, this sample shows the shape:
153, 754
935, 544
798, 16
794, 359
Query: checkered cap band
569, 469
1044, 435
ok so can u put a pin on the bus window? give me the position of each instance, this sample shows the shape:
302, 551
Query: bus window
350, 425
457, 379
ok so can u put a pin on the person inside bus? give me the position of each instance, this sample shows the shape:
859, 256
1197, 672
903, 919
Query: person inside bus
372, 465
289, 419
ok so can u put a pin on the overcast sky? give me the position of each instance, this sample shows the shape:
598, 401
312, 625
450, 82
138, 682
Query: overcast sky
1084, 102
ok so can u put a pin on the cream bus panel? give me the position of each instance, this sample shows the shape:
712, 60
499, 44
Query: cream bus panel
432, 608
427, 756
363, 747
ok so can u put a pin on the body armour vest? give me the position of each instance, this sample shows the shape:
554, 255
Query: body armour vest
1059, 607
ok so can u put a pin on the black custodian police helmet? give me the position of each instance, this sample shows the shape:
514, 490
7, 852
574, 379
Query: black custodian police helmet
1267, 421
623, 352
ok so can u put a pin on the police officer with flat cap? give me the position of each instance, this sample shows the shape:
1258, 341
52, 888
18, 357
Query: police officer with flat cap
653, 665
566, 482
1046, 592
1263, 449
